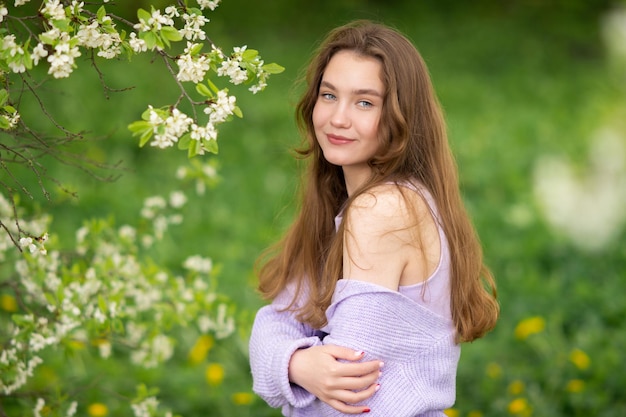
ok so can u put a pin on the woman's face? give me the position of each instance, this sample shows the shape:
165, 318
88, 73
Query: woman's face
347, 113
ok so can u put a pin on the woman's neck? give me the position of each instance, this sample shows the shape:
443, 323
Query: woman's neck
355, 178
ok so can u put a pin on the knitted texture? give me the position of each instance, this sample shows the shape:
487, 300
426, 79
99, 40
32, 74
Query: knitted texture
416, 345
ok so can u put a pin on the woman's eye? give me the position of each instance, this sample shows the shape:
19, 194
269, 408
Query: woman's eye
364, 103
328, 96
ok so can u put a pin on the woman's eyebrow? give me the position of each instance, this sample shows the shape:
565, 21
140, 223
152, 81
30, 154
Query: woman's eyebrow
360, 91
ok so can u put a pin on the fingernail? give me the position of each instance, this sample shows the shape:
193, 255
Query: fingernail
358, 353
380, 365
377, 387
366, 410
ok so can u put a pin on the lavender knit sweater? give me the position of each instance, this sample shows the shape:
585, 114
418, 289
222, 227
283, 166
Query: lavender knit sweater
416, 344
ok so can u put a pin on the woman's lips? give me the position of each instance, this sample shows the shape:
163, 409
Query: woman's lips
338, 140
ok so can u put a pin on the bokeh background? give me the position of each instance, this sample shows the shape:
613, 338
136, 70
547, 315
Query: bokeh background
535, 98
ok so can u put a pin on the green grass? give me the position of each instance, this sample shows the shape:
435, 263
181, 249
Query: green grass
513, 87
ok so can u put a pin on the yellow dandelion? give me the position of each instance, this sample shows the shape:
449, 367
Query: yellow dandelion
452, 412
529, 326
519, 406
575, 386
214, 373
97, 410
8, 303
516, 387
475, 413
200, 349
75, 344
580, 359
242, 398
494, 371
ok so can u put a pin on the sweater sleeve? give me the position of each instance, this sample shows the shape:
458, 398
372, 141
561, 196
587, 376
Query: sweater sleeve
416, 345
276, 335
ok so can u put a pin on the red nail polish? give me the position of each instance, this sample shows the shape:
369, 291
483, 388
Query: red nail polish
366, 410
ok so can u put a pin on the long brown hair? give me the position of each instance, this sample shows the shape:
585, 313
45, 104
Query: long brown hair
414, 146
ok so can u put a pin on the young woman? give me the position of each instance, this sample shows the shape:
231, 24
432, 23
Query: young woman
381, 275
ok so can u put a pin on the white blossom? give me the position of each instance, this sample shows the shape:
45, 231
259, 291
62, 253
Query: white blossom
223, 107
28, 242
177, 199
39, 52
210, 4
177, 123
53, 9
207, 132
3, 12
138, 45
62, 61
15, 50
146, 408
71, 410
89, 35
193, 27
198, 263
171, 12
192, 68
39, 407
232, 69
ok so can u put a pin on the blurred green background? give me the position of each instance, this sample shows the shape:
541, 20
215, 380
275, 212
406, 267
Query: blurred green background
520, 81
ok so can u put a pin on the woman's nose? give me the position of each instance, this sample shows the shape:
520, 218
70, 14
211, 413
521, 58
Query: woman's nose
340, 116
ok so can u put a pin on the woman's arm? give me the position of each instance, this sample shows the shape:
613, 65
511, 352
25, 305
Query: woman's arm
276, 335
291, 368
329, 373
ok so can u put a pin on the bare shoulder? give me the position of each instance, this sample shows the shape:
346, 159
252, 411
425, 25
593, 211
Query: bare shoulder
388, 206
380, 232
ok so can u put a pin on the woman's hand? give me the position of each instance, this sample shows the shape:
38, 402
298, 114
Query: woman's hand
318, 370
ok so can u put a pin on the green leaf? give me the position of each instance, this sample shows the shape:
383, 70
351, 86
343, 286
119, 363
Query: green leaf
143, 15
212, 86
170, 33
102, 304
150, 38
4, 123
210, 145
273, 68
202, 89
193, 149
145, 137
196, 49
101, 13
118, 326
4, 96
50, 298
146, 114
249, 54
237, 112
139, 127
48, 40
184, 141
63, 25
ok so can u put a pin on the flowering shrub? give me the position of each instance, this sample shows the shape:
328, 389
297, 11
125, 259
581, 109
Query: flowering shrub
62, 31
107, 297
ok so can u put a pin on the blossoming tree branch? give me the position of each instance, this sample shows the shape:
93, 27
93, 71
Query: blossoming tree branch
63, 31
106, 293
